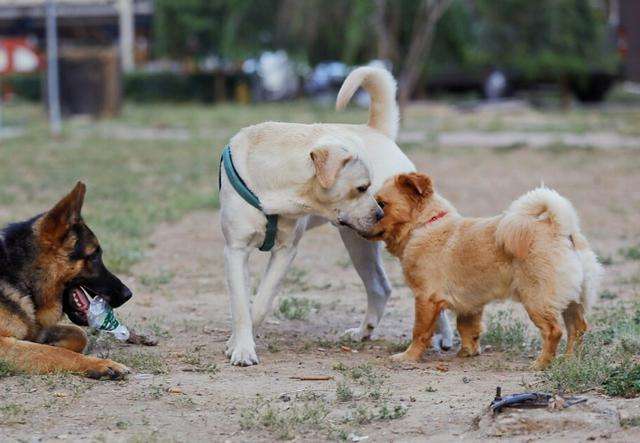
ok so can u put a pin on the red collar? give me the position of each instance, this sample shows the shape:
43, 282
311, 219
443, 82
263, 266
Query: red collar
438, 216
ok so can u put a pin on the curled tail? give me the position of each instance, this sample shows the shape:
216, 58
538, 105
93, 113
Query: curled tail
518, 226
381, 86
523, 220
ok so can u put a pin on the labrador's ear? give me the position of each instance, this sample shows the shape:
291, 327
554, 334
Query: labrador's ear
415, 185
67, 212
328, 163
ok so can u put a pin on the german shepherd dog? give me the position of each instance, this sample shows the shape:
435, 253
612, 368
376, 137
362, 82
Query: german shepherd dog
46, 265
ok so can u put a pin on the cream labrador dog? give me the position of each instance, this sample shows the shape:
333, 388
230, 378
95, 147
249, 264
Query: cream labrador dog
308, 174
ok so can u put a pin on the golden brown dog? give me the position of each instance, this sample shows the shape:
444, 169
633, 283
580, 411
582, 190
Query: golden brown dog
533, 252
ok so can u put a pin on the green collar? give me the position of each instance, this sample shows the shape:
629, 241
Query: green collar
243, 190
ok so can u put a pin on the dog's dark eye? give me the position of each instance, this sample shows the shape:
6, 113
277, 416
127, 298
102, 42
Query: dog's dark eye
381, 204
362, 189
95, 256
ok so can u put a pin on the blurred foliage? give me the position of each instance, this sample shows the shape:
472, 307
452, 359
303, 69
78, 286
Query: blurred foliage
549, 38
27, 86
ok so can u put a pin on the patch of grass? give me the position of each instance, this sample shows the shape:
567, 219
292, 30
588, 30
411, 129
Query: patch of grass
631, 422
344, 392
6, 369
370, 381
631, 253
608, 295
506, 333
154, 282
398, 346
11, 413
605, 260
296, 308
285, 422
606, 360
142, 361
363, 415
195, 360
311, 414
623, 381
387, 413
297, 278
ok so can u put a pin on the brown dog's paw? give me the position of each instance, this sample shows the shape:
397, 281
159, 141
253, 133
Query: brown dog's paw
466, 352
405, 357
540, 364
107, 369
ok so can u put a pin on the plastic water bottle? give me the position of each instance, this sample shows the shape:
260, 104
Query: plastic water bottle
101, 317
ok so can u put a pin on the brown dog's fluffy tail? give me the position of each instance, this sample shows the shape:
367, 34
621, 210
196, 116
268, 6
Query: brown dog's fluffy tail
517, 230
381, 86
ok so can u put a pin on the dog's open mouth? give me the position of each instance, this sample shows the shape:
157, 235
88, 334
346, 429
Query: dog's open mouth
76, 305
80, 298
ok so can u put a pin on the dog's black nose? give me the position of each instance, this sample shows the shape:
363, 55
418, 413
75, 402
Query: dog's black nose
379, 214
126, 295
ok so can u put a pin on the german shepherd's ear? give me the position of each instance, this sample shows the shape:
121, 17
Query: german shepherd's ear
65, 213
417, 186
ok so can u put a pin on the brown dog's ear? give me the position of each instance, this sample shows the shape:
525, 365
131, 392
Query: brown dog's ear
418, 186
64, 214
328, 163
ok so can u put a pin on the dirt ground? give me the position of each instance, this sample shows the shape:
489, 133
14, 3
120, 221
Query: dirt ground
185, 390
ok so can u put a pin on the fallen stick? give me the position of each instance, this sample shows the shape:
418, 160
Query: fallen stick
312, 377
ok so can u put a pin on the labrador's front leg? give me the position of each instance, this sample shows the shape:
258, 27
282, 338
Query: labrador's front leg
241, 348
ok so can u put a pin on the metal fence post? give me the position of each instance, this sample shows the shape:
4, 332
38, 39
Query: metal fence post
53, 84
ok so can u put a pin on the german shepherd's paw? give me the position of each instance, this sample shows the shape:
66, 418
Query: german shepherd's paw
106, 369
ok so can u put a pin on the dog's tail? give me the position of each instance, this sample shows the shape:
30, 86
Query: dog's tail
381, 86
517, 229
522, 219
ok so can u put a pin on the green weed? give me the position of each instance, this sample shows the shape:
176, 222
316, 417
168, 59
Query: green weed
142, 361
605, 360
506, 333
631, 253
296, 308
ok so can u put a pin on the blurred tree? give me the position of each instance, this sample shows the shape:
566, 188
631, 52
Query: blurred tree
547, 38
232, 28
556, 40
405, 31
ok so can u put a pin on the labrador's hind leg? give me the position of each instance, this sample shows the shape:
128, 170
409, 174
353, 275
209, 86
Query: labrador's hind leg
367, 260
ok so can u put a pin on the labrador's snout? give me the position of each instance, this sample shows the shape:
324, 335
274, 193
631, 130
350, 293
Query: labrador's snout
379, 214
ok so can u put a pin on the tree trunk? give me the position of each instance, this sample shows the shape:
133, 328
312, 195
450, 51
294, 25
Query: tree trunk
424, 28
